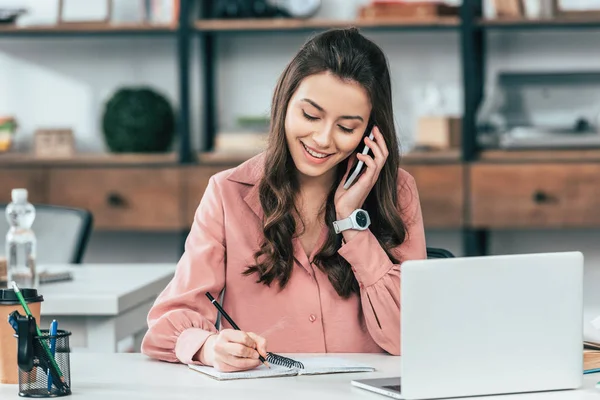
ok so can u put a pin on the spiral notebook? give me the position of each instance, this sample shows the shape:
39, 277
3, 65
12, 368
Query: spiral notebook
283, 366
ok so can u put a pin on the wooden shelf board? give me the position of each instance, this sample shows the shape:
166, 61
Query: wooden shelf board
431, 157
76, 28
592, 21
417, 157
92, 159
283, 24
540, 155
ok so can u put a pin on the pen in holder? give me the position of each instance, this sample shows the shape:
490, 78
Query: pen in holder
37, 364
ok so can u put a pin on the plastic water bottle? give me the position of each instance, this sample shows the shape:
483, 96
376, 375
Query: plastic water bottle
21, 241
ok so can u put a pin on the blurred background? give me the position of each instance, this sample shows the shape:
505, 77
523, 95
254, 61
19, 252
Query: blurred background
124, 108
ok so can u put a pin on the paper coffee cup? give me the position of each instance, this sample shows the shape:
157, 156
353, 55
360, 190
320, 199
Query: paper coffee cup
9, 370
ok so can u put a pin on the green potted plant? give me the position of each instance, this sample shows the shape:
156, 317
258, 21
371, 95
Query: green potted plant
8, 127
138, 120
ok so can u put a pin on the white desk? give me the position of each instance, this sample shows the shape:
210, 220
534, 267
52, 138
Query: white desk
104, 303
134, 376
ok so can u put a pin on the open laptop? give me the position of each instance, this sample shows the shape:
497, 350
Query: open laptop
489, 325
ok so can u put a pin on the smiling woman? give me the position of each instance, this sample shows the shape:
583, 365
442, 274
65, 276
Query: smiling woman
309, 265
324, 121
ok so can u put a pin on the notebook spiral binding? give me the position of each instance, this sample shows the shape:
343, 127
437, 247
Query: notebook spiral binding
283, 361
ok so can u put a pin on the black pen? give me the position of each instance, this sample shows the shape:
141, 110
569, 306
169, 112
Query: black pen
233, 324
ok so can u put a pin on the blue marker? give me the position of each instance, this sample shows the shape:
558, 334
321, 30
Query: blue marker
591, 371
53, 331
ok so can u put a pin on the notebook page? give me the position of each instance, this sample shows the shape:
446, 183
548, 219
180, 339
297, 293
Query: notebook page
258, 372
330, 365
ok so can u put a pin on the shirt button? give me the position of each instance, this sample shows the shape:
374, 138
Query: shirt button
312, 318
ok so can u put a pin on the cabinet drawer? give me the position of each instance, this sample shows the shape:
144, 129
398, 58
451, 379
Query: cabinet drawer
535, 195
34, 180
440, 188
121, 198
195, 182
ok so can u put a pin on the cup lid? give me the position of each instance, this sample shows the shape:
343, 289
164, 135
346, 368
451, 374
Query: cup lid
9, 297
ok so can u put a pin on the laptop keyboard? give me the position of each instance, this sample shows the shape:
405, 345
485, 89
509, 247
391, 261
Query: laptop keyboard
393, 387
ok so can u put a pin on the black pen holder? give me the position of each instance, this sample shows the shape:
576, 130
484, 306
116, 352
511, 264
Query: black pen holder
44, 361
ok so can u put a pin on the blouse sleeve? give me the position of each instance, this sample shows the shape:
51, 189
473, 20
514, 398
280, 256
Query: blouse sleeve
378, 276
182, 318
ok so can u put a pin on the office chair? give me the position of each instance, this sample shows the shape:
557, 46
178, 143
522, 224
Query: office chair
433, 252
62, 233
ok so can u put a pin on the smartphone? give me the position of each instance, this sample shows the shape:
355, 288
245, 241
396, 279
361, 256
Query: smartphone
354, 175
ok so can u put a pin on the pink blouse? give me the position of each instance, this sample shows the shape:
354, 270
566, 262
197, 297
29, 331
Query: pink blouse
308, 316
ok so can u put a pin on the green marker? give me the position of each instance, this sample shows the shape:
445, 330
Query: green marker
44, 346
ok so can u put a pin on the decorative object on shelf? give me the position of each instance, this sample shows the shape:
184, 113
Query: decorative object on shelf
407, 10
538, 9
436, 128
508, 8
299, 8
577, 8
249, 137
130, 12
84, 12
240, 9
161, 12
240, 142
438, 133
258, 123
54, 143
541, 110
8, 127
10, 15
138, 120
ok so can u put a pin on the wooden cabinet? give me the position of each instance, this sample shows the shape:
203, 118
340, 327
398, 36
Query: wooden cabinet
126, 198
165, 198
495, 193
35, 180
441, 192
535, 195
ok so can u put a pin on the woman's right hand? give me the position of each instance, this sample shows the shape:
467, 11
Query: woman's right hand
231, 350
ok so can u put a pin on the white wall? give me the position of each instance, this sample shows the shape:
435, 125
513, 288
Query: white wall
65, 82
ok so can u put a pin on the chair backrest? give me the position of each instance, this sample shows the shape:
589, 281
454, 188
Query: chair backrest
62, 233
433, 252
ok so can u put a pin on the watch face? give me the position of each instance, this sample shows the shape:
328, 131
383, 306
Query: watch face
361, 219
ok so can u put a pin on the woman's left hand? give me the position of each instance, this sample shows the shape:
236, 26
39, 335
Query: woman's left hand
348, 200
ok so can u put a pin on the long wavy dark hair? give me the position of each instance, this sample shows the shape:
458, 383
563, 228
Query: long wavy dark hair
347, 54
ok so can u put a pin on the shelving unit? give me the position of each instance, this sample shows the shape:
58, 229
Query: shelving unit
453, 185
554, 23
417, 157
209, 29
281, 24
531, 156
87, 29
528, 189
92, 159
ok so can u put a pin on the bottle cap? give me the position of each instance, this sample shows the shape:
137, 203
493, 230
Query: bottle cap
19, 195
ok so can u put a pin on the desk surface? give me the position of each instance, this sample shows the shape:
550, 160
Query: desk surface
134, 376
104, 289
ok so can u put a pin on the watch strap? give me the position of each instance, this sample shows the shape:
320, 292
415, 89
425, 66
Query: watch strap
342, 225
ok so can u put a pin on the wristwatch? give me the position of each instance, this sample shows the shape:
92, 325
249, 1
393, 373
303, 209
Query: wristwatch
359, 220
